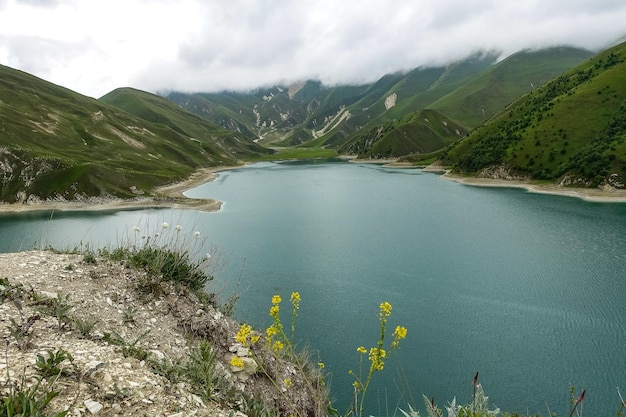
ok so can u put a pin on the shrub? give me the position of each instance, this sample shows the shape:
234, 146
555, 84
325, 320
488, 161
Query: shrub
167, 257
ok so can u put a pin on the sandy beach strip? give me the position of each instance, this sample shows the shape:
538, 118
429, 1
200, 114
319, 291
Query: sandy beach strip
597, 195
167, 196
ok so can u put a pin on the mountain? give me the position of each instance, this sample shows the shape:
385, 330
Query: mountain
354, 119
311, 114
424, 131
571, 130
488, 93
464, 99
168, 117
58, 144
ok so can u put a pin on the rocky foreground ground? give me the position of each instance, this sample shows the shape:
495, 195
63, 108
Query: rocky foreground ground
114, 347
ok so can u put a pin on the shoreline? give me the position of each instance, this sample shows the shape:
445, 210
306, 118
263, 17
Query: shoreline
593, 195
168, 196
172, 195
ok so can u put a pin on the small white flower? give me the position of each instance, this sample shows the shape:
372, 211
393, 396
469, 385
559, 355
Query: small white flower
165, 225
136, 228
179, 228
196, 234
208, 256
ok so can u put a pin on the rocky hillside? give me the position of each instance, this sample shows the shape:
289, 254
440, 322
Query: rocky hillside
78, 331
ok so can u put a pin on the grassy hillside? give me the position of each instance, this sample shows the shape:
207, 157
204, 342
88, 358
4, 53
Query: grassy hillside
571, 130
454, 95
167, 117
55, 143
419, 132
488, 93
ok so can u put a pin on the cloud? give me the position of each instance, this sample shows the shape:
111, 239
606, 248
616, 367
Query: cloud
209, 45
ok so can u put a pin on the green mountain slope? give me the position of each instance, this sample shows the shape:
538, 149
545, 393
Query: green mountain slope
454, 95
570, 130
57, 144
420, 132
167, 117
488, 93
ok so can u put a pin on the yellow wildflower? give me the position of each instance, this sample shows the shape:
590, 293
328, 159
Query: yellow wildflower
295, 299
361, 349
385, 310
271, 331
321, 365
236, 361
255, 338
377, 358
243, 334
287, 383
274, 311
276, 299
278, 346
400, 332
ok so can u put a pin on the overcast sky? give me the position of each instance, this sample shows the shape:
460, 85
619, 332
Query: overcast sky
95, 46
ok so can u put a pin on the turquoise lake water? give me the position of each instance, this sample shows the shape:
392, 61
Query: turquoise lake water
527, 289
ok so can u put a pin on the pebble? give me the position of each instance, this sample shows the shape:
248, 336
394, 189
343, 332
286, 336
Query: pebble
93, 406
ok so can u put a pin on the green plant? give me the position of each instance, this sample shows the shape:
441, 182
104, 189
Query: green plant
200, 369
174, 371
128, 349
85, 326
129, 315
170, 265
9, 291
376, 356
575, 401
28, 401
21, 331
479, 407
89, 257
167, 257
57, 307
49, 366
18, 399
255, 407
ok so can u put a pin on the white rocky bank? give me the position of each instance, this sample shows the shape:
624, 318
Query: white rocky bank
101, 380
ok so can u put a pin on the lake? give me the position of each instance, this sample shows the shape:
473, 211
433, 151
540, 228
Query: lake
527, 289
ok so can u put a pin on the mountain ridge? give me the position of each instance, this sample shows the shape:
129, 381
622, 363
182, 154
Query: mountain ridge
337, 117
570, 130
